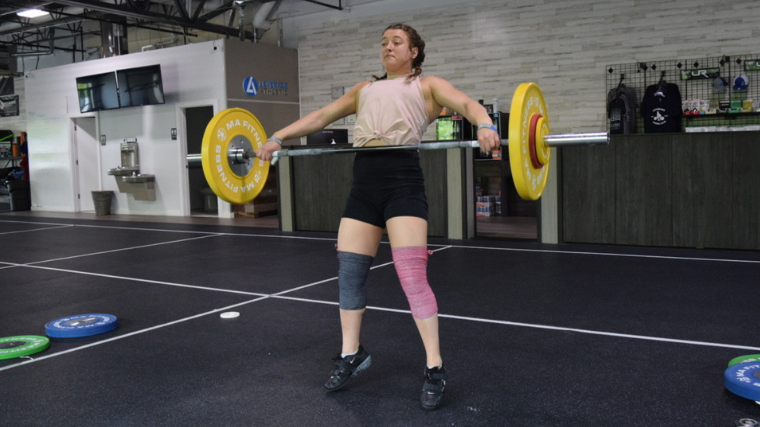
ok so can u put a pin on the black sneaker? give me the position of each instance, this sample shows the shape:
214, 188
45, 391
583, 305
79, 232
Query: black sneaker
347, 368
433, 388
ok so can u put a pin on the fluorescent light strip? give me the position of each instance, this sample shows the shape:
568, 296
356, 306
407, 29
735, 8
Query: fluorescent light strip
32, 13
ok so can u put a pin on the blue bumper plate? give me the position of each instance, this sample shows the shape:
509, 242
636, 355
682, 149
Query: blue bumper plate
743, 379
81, 325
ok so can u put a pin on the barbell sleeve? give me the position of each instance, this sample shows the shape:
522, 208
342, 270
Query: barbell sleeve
577, 139
194, 160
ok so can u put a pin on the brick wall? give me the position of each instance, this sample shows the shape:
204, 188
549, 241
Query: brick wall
487, 47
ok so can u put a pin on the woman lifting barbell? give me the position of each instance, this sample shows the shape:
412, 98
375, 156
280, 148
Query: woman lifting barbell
388, 192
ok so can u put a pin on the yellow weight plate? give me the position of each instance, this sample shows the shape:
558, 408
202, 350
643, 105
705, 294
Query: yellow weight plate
529, 180
234, 181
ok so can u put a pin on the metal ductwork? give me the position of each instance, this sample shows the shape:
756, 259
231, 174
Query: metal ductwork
114, 37
262, 20
49, 51
8, 64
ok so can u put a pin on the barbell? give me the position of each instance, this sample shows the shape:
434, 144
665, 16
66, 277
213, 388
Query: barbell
235, 174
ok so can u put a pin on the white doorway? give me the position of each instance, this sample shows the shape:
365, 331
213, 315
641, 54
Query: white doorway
86, 162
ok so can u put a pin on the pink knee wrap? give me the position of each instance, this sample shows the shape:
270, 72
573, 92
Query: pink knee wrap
411, 266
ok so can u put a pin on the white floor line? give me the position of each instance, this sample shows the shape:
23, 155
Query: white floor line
554, 251
33, 222
36, 229
323, 239
179, 285
163, 230
305, 286
320, 282
538, 326
592, 332
328, 239
71, 350
158, 282
113, 227
120, 249
336, 277
279, 295
134, 279
166, 230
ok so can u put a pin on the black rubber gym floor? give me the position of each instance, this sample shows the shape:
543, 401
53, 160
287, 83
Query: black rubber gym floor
550, 335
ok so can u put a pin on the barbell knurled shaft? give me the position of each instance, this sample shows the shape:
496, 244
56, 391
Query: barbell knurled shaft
560, 140
549, 140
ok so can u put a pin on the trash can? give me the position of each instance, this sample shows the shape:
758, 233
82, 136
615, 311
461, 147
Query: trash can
20, 195
209, 200
102, 201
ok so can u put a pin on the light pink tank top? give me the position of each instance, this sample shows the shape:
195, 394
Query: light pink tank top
391, 111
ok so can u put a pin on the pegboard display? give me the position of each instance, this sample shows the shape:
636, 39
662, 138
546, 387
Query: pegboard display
714, 94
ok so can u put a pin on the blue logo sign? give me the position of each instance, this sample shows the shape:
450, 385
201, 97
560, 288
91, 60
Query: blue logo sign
253, 87
250, 86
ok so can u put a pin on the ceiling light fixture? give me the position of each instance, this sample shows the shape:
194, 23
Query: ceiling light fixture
32, 13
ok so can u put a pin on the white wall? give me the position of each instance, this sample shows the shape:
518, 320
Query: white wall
191, 73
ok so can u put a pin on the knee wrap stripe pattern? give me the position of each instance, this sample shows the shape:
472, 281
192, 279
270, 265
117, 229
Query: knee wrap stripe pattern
353, 270
411, 267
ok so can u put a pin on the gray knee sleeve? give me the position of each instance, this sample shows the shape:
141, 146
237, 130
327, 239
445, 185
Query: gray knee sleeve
352, 277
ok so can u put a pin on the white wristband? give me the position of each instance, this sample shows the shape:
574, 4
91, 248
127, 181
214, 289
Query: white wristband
275, 139
487, 126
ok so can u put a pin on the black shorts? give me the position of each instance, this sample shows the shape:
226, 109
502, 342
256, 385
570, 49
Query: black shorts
386, 184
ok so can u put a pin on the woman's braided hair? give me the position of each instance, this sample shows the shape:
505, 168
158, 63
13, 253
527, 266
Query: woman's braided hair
414, 41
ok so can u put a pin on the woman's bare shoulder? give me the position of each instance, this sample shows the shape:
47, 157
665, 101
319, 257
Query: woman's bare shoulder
361, 85
434, 81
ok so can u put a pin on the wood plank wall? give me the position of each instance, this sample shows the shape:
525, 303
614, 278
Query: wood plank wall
682, 190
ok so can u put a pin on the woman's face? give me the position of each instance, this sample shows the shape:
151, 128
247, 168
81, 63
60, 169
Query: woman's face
396, 53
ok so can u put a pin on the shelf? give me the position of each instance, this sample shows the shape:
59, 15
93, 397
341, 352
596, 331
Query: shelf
722, 115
